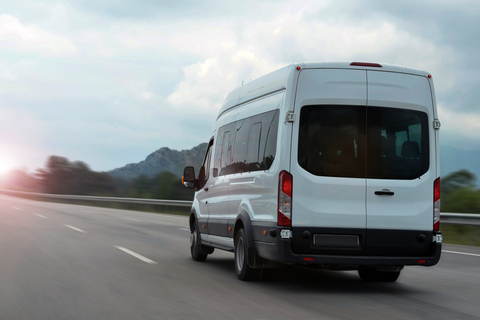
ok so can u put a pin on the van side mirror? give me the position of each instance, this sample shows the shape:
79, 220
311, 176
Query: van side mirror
188, 179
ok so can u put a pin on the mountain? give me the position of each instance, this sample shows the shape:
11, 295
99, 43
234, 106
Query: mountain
163, 159
453, 159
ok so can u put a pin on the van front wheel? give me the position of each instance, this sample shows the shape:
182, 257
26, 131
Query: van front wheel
243, 270
197, 251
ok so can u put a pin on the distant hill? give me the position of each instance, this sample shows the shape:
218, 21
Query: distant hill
453, 159
163, 159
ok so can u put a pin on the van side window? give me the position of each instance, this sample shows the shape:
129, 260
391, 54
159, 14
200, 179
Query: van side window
242, 130
208, 161
204, 173
225, 154
271, 141
248, 144
254, 146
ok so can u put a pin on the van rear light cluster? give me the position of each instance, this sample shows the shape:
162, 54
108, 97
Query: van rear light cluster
284, 217
436, 205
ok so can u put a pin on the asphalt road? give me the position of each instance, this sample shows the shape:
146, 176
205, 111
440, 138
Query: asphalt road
61, 261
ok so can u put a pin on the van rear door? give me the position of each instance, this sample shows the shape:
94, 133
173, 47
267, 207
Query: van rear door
400, 164
327, 162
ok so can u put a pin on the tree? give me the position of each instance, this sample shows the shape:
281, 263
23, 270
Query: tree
458, 193
457, 180
60, 176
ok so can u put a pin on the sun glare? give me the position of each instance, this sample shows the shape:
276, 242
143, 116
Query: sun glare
5, 165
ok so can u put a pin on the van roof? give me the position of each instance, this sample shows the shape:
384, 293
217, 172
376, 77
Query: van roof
277, 80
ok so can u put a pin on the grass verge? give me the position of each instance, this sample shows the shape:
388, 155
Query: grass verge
461, 234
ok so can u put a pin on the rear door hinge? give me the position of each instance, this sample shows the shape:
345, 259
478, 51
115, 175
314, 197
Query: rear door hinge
289, 116
436, 124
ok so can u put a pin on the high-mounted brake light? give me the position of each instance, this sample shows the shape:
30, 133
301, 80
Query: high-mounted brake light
366, 64
436, 205
284, 216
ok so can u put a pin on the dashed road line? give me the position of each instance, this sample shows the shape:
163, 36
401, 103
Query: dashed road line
41, 216
73, 228
464, 253
136, 255
184, 229
17, 208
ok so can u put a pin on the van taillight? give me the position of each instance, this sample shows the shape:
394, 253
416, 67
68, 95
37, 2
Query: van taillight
284, 199
436, 205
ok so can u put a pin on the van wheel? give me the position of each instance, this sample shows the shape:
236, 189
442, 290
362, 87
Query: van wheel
243, 270
372, 275
197, 250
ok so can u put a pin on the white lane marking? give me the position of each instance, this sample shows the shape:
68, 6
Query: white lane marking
17, 208
184, 229
73, 228
464, 253
136, 255
130, 219
41, 216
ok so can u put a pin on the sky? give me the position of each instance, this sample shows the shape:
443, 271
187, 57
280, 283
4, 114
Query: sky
109, 82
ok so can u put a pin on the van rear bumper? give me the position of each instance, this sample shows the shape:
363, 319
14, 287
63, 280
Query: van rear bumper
281, 251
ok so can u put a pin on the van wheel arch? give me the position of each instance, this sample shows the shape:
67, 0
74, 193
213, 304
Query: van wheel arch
244, 222
198, 251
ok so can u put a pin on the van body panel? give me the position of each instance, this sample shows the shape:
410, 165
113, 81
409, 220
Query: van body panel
263, 86
331, 86
322, 201
217, 197
411, 206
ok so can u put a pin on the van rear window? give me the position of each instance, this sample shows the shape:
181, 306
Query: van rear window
359, 142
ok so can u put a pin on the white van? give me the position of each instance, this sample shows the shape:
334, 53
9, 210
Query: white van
328, 164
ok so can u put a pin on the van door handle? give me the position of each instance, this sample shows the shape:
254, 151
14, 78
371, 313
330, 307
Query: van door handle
384, 192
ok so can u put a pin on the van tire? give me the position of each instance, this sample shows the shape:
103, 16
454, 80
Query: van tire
372, 275
243, 270
197, 250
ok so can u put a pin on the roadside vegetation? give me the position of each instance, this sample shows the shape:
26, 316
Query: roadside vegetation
62, 176
460, 195
459, 192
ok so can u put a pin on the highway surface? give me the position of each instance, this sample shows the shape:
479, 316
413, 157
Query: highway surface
61, 261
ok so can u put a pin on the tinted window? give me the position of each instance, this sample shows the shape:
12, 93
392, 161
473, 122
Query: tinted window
397, 143
271, 140
242, 131
247, 145
332, 142
225, 156
254, 145
207, 160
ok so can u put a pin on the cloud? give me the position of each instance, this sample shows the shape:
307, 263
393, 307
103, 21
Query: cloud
459, 128
207, 83
7, 75
30, 38
293, 36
